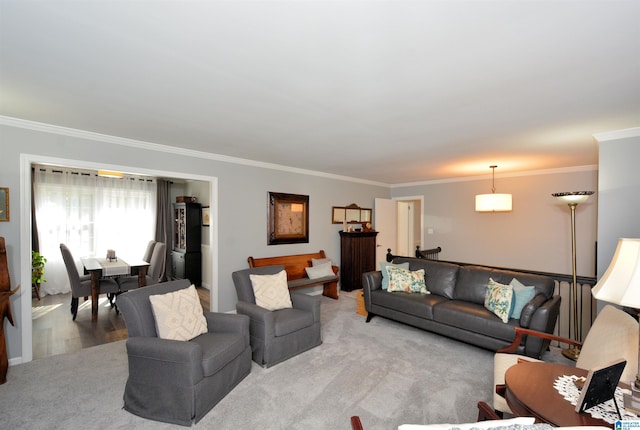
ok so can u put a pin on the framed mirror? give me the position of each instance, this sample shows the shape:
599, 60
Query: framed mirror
352, 214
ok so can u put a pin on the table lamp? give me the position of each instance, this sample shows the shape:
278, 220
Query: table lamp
620, 285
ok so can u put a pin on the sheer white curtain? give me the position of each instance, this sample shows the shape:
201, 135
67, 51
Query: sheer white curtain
90, 214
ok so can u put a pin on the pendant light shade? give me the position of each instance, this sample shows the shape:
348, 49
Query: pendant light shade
493, 202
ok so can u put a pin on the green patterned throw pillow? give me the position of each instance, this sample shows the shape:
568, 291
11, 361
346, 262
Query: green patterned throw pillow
499, 299
405, 280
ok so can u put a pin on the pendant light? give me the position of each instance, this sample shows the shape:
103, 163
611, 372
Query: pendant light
493, 202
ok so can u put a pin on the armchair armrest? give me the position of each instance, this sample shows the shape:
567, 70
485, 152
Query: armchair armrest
228, 323
520, 332
261, 319
176, 360
308, 303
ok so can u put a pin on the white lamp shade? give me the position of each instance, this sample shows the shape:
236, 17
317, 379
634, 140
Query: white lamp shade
573, 197
493, 202
621, 282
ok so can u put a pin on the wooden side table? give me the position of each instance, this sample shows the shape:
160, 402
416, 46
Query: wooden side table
360, 309
530, 392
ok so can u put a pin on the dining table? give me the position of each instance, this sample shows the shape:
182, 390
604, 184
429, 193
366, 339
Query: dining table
103, 267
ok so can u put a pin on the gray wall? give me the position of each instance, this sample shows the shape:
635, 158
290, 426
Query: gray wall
241, 228
619, 185
536, 235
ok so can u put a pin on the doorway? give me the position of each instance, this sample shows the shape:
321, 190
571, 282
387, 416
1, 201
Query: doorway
25, 231
399, 222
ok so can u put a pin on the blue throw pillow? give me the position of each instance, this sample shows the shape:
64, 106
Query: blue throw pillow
523, 296
385, 274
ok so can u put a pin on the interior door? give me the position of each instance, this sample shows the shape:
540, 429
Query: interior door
385, 223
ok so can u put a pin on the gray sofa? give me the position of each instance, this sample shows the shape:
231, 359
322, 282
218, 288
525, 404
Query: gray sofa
455, 307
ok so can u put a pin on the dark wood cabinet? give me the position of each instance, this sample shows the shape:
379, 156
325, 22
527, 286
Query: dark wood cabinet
357, 256
187, 237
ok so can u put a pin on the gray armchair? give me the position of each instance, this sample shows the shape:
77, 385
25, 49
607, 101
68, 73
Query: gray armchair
180, 381
278, 335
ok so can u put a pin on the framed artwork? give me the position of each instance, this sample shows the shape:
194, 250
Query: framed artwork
206, 216
288, 218
4, 204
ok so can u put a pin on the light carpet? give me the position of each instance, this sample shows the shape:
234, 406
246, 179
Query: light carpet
385, 372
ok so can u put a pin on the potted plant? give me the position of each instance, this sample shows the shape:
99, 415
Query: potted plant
37, 271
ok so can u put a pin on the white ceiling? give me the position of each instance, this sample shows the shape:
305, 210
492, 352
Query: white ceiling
389, 91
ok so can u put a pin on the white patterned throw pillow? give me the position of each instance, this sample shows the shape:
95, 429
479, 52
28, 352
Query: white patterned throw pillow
499, 299
319, 271
271, 291
178, 314
405, 280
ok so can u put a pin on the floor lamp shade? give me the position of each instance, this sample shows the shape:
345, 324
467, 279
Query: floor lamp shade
620, 284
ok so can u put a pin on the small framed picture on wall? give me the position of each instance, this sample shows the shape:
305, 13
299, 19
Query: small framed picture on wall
206, 216
4, 204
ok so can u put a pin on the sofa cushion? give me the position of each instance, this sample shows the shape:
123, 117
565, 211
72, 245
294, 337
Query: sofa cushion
405, 280
219, 349
499, 299
440, 277
474, 318
290, 320
419, 305
475, 279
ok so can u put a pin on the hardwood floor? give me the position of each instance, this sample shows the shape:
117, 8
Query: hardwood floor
54, 331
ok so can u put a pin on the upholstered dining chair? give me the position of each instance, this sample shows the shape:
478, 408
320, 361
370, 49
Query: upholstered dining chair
149, 251
277, 335
154, 271
81, 285
179, 370
614, 334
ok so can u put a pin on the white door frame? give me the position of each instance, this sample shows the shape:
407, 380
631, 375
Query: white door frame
26, 160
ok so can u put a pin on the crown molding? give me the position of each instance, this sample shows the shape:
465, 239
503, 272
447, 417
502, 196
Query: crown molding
556, 171
617, 134
149, 146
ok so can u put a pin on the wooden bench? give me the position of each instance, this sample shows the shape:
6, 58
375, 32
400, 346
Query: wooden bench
296, 275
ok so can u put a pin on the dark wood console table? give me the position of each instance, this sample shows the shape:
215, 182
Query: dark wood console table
530, 393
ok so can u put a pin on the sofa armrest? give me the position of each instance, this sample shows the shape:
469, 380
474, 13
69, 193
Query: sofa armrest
371, 281
176, 360
530, 309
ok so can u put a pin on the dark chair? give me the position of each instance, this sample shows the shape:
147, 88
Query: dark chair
81, 285
154, 271
180, 381
278, 335
149, 251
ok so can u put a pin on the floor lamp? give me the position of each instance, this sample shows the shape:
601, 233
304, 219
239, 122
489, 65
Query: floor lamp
573, 198
620, 285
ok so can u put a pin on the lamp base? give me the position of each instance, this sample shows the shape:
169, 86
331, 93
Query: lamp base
632, 401
572, 353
